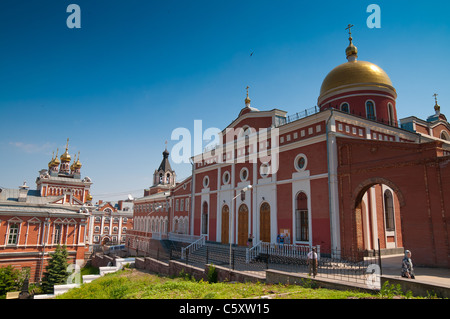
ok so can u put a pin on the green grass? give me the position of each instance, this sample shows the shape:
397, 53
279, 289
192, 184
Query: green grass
132, 284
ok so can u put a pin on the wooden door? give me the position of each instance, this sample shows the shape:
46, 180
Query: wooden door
264, 223
225, 237
243, 225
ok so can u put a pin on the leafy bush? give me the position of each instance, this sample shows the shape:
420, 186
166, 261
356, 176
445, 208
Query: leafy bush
9, 279
389, 291
212, 274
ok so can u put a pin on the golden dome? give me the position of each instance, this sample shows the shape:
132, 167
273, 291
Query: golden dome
65, 157
52, 162
354, 74
351, 50
55, 161
77, 164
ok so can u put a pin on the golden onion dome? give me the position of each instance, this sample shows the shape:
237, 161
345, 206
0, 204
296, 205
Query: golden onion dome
65, 157
55, 161
351, 50
72, 167
354, 74
52, 162
77, 163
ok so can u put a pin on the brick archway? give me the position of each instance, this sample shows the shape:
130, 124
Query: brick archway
365, 185
418, 174
368, 222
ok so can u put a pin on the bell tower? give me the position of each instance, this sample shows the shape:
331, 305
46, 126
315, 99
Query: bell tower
164, 175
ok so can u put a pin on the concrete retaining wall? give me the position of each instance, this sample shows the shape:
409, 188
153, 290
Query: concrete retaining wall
417, 287
276, 277
174, 268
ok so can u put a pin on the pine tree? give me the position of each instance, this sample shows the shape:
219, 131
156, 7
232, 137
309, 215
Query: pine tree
56, 270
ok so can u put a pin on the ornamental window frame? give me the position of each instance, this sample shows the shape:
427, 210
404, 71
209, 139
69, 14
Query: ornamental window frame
244, 174
368, 114
13, 233
298, 167
341, 107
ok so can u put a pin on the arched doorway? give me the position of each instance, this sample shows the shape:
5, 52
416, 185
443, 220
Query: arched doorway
264, 222
242, 225
301, 218
376, 216
225, 235
205, 218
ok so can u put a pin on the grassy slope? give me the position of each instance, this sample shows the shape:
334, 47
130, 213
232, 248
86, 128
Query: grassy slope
134, 284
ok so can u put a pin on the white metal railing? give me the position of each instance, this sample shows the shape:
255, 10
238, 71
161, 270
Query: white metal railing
184, 238
285, 250
159, 236
252, 253
193, 246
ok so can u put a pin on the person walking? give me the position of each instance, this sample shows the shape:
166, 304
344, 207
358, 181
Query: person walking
407, 266
250, 241
312, 262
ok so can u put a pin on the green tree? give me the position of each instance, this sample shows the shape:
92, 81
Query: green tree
56, 271
9, 278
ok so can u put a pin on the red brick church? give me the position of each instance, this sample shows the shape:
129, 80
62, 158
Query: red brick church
33, 222
347, 175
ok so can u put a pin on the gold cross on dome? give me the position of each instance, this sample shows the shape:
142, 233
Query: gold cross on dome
247, 89
349, 28
435, 96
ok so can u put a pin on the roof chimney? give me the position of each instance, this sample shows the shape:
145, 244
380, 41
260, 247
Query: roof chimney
23, 192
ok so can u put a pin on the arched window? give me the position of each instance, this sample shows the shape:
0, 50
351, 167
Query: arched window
391, 114
301, 218
205, 218
370, 110
345, 107
445, 136
389, 210
264, 219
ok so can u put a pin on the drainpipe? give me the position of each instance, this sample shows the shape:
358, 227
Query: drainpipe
329, 179
192, 197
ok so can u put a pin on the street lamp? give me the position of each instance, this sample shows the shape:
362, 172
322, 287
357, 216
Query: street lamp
246, 188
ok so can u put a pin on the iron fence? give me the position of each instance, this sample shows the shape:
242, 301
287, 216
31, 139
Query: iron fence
345, 266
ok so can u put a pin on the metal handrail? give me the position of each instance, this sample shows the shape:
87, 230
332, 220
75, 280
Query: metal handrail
285, 250
252, 253
193, 246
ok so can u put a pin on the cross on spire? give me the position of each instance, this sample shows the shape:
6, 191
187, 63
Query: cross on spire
247, 99
435, 97
349, 28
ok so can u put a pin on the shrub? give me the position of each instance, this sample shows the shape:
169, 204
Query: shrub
389, 291
212, 274
9, 279
56, 270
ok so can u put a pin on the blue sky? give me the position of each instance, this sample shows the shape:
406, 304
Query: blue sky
137, 70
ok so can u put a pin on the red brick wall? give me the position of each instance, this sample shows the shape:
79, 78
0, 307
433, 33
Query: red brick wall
419, 179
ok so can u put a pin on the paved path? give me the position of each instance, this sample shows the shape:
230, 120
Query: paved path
392, 266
